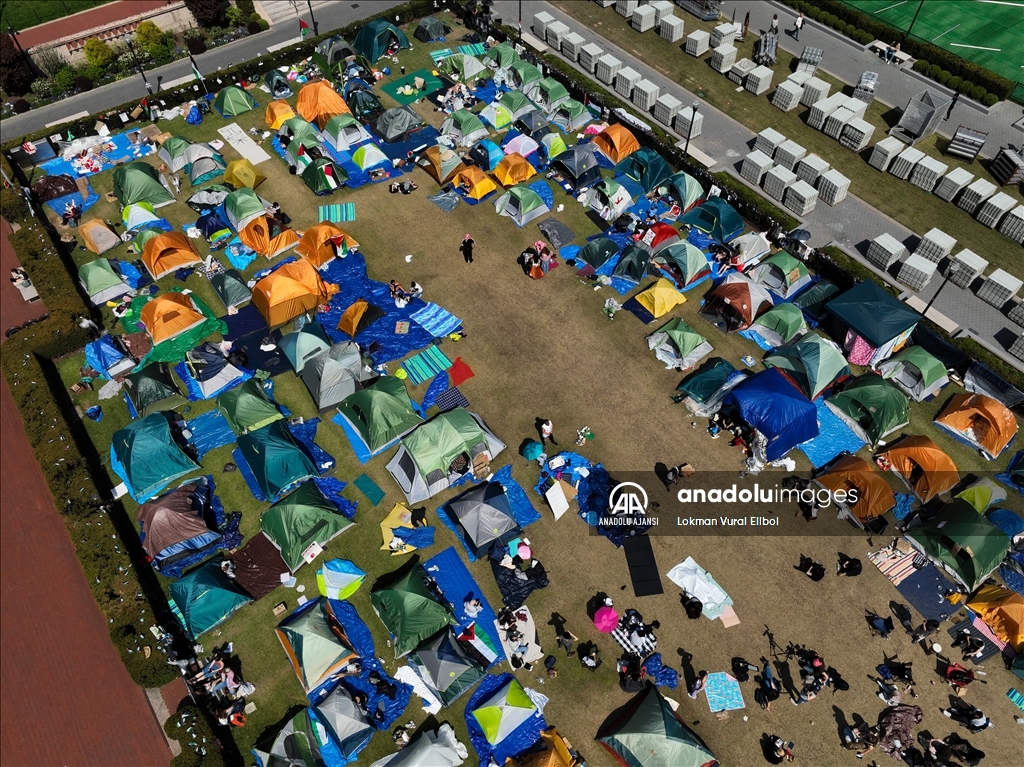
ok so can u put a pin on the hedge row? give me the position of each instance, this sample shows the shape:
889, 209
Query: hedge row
971, 79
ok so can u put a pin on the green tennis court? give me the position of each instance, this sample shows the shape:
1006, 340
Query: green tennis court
987, 32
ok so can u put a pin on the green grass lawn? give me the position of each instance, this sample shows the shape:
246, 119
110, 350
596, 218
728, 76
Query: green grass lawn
982, 32
907, 204
22, 14
545, 349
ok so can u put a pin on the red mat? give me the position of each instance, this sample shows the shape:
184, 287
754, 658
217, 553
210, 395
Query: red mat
460, 371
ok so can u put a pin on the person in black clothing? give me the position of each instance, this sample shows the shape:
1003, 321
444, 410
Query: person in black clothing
848, 566
467, 248
813, 570
949, 111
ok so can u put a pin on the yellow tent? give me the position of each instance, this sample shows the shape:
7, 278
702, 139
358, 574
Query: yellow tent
319, 102
1003, 610
289, 291
556, 752
661, 298
170, 315
277, 112
399, 517
268, 236
323, 242
168, 252
241, 173
474, 182
514, 169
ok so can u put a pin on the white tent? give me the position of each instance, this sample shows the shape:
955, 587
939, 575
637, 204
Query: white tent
430, 749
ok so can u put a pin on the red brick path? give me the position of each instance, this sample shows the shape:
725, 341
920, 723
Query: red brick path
108, 13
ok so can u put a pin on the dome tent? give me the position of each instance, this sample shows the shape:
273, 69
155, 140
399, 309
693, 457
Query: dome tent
875, 317
916, 372
339, 579
278, 463
431, 30
982, 422
324, 176
173, 526
482, 515
202, 163
496, 115
380, 414
170, 315
521, 204
295, 744
441, 163
299, 129
370, 156
336, 373
500, 56
168, 252
579, 165
445, 667
377, 38
552, 144
100, 282
247, 407
205, 598
632, 263
616, 143
608, 198
152, 390
735, 302
962, 542
1002, 609
231, 288
683, 262
502, 712
331, 52
464, 68
486, 155
140, 182
660, 298
646, 167
780, 325
340, 720
209, 368
523, 76
141, 215
397, 124
516, 103
522, 145
277, 113
147, 457
782, 274
242, 208
851, 473
715, 217
316, 644
408, 610
571, 115
464, 128
777, 409
268, 236
474, 182
344, 132
678, 345
533, 124
233, 101
242, 173
290, 290
514, 169
872, 407
358, 317
549, 94
812, 363
97, 236
319, 102
278, 84
925, 469
300, 519
172, 152
324, 242
302, 345
597, 252
684, 190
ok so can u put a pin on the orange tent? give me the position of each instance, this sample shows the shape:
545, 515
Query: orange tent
167, 252
268, 236
616, 142
852, 474
514, 169
358, 317
319, 102
924, 467
554, 751
277, 112
324, 242
170, 315
982, 422
1003, 610
289, 291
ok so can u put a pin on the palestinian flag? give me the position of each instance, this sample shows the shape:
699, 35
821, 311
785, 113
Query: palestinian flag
195, 67
303, 29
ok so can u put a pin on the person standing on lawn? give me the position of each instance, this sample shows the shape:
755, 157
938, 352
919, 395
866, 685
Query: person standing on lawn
467, 248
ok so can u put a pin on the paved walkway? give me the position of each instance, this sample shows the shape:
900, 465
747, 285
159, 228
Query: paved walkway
851, 224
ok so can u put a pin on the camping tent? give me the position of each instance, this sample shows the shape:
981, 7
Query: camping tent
100, 282
812, 301
148, 456
233, 101
716, 218
315, 642
299, 520
552, 145
780, 325
290, 290
646, 167
474, 182
782, 274
871, 407
339, 579
268, 236
152, 390
242, 173
616, 143
657, 237
878, 323
397, 124
521, 204
358, 317
431, 30
811, 363
441, 163
678, 345
319, 102
706, 384
578, 165
139, 215
98, 237
513, 170
523, 76
1003, 610
380, 413
482, 516
521, 145
551, 751
962, 542
344, 132
632, 263
170, 315
294, 745
247, 407
335, 374
378, 38
408, 610
772, 405
205, 598
324, 242
497, 115
500, 56
51, 187
202, 163
231, 288
172, 152
684, 190
916, 372
647, 732
213, 195
922, 465
277, 462
277, 113
516, 103
750, 249
242, 207
278, 84
736, 302
331, 52
549, 93
609, 199
440, 451
302, 345
343, 722
597, 252
324, 176
463, 127
462, 67
446, 668
173, 526
363, 102
370, 156
850, 475
502, 712
660, 298
210, 369
428, 749
140, 182
168, 252
982, 422
296, 129
571, 115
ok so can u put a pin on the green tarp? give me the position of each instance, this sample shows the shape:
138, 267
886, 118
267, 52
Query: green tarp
873, 313
205, 598
275, 459
140, 182
436, 443
233, 101
381, 413
247, 407
299, 520
373, 40
153, 389
963, 542
174, 349
149, 456
409, 611
812, 363
872, 407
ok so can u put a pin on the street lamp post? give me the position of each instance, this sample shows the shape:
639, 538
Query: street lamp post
135, 60
950, 273
689, 130
312, 18
912, 21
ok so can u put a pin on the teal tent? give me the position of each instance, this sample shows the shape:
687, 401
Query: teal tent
684, 190
205, 598
276, 460
148, 457
707, 380
646, 167
299, 520
153, 389
715, 217
962, 542
304, 344
597, 252
378, 38
811, 363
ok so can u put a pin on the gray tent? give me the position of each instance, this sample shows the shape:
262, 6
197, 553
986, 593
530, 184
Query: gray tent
345, 722
579, 165
231, 288
483, 516
396, 124
336, 373
153, 390
445, 666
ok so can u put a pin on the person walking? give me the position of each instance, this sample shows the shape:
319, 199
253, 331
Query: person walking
566, 639
467, 248
949, 111
774, 29
797, 26
547, 432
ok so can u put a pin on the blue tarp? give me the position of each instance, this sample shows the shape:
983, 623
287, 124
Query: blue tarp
664, 676
904, 506
359, 447
83, 204
239, 254
194, 393
400, 150
1007, 521
1012, 578
101, 355
131, 274
210, 431
773, 406
543, 191
248, 320
304, 434
834, 438
438, 386
924, 589
116, 147
1006, 478
417, 537
516, 742
331, 488
455, 580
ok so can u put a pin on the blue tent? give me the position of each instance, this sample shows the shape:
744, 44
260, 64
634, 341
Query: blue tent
777, 409
105, 357
486, 155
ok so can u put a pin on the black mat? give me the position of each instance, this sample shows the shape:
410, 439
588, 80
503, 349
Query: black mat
990, 650
248, 320
273, 361
643, 570
558, 234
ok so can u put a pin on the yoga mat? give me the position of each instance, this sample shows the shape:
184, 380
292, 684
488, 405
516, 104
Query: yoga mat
643, 569
431, 85
426, 364
369, 488
924, 591
474, 49
337, 213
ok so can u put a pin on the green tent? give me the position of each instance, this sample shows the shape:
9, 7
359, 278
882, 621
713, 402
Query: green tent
873, 313
523, 75
344, 131
872, 407
812, 301
521, 204
648, 733
715, 217
684, 260
916, 372
243, 206
302, 345
502, 712
337, 373
148, 456
315, 642
445, 667
247, 407
295, 745
373, 40
464, 68
501, 56
464, 127
782, 274
205, 598
812, 363
498, 115
324, 176
231, 288
516, 103
172, 152
439, 441
380, 413
710, 378
232, 101
300, 519
152, 390
298, 129
780, 324
100, 282
140, 182
632, 263
646, 167
962, 542
409, 611
550, 93
684, 189
276, 460
678, 345
553, 144
570, 115
369, 156
597, 252
607, 198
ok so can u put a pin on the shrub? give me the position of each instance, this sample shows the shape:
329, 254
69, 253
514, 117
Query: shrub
195, 45
863, 37
208, 13
253, 27
98, 53
44, 87
932, 71
978, 92
851, 31
65, 79
954, 82
944, 77
264, 24
83, 83
246, 6
15, 76
990, 100
12, 205
49, 61
235, 18
921, 65
149, 35
189, 725
20, 106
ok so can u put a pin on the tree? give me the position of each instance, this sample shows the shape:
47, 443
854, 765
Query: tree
208, 13
246, 7
15, 76
50, 61
150, 36
97, 52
